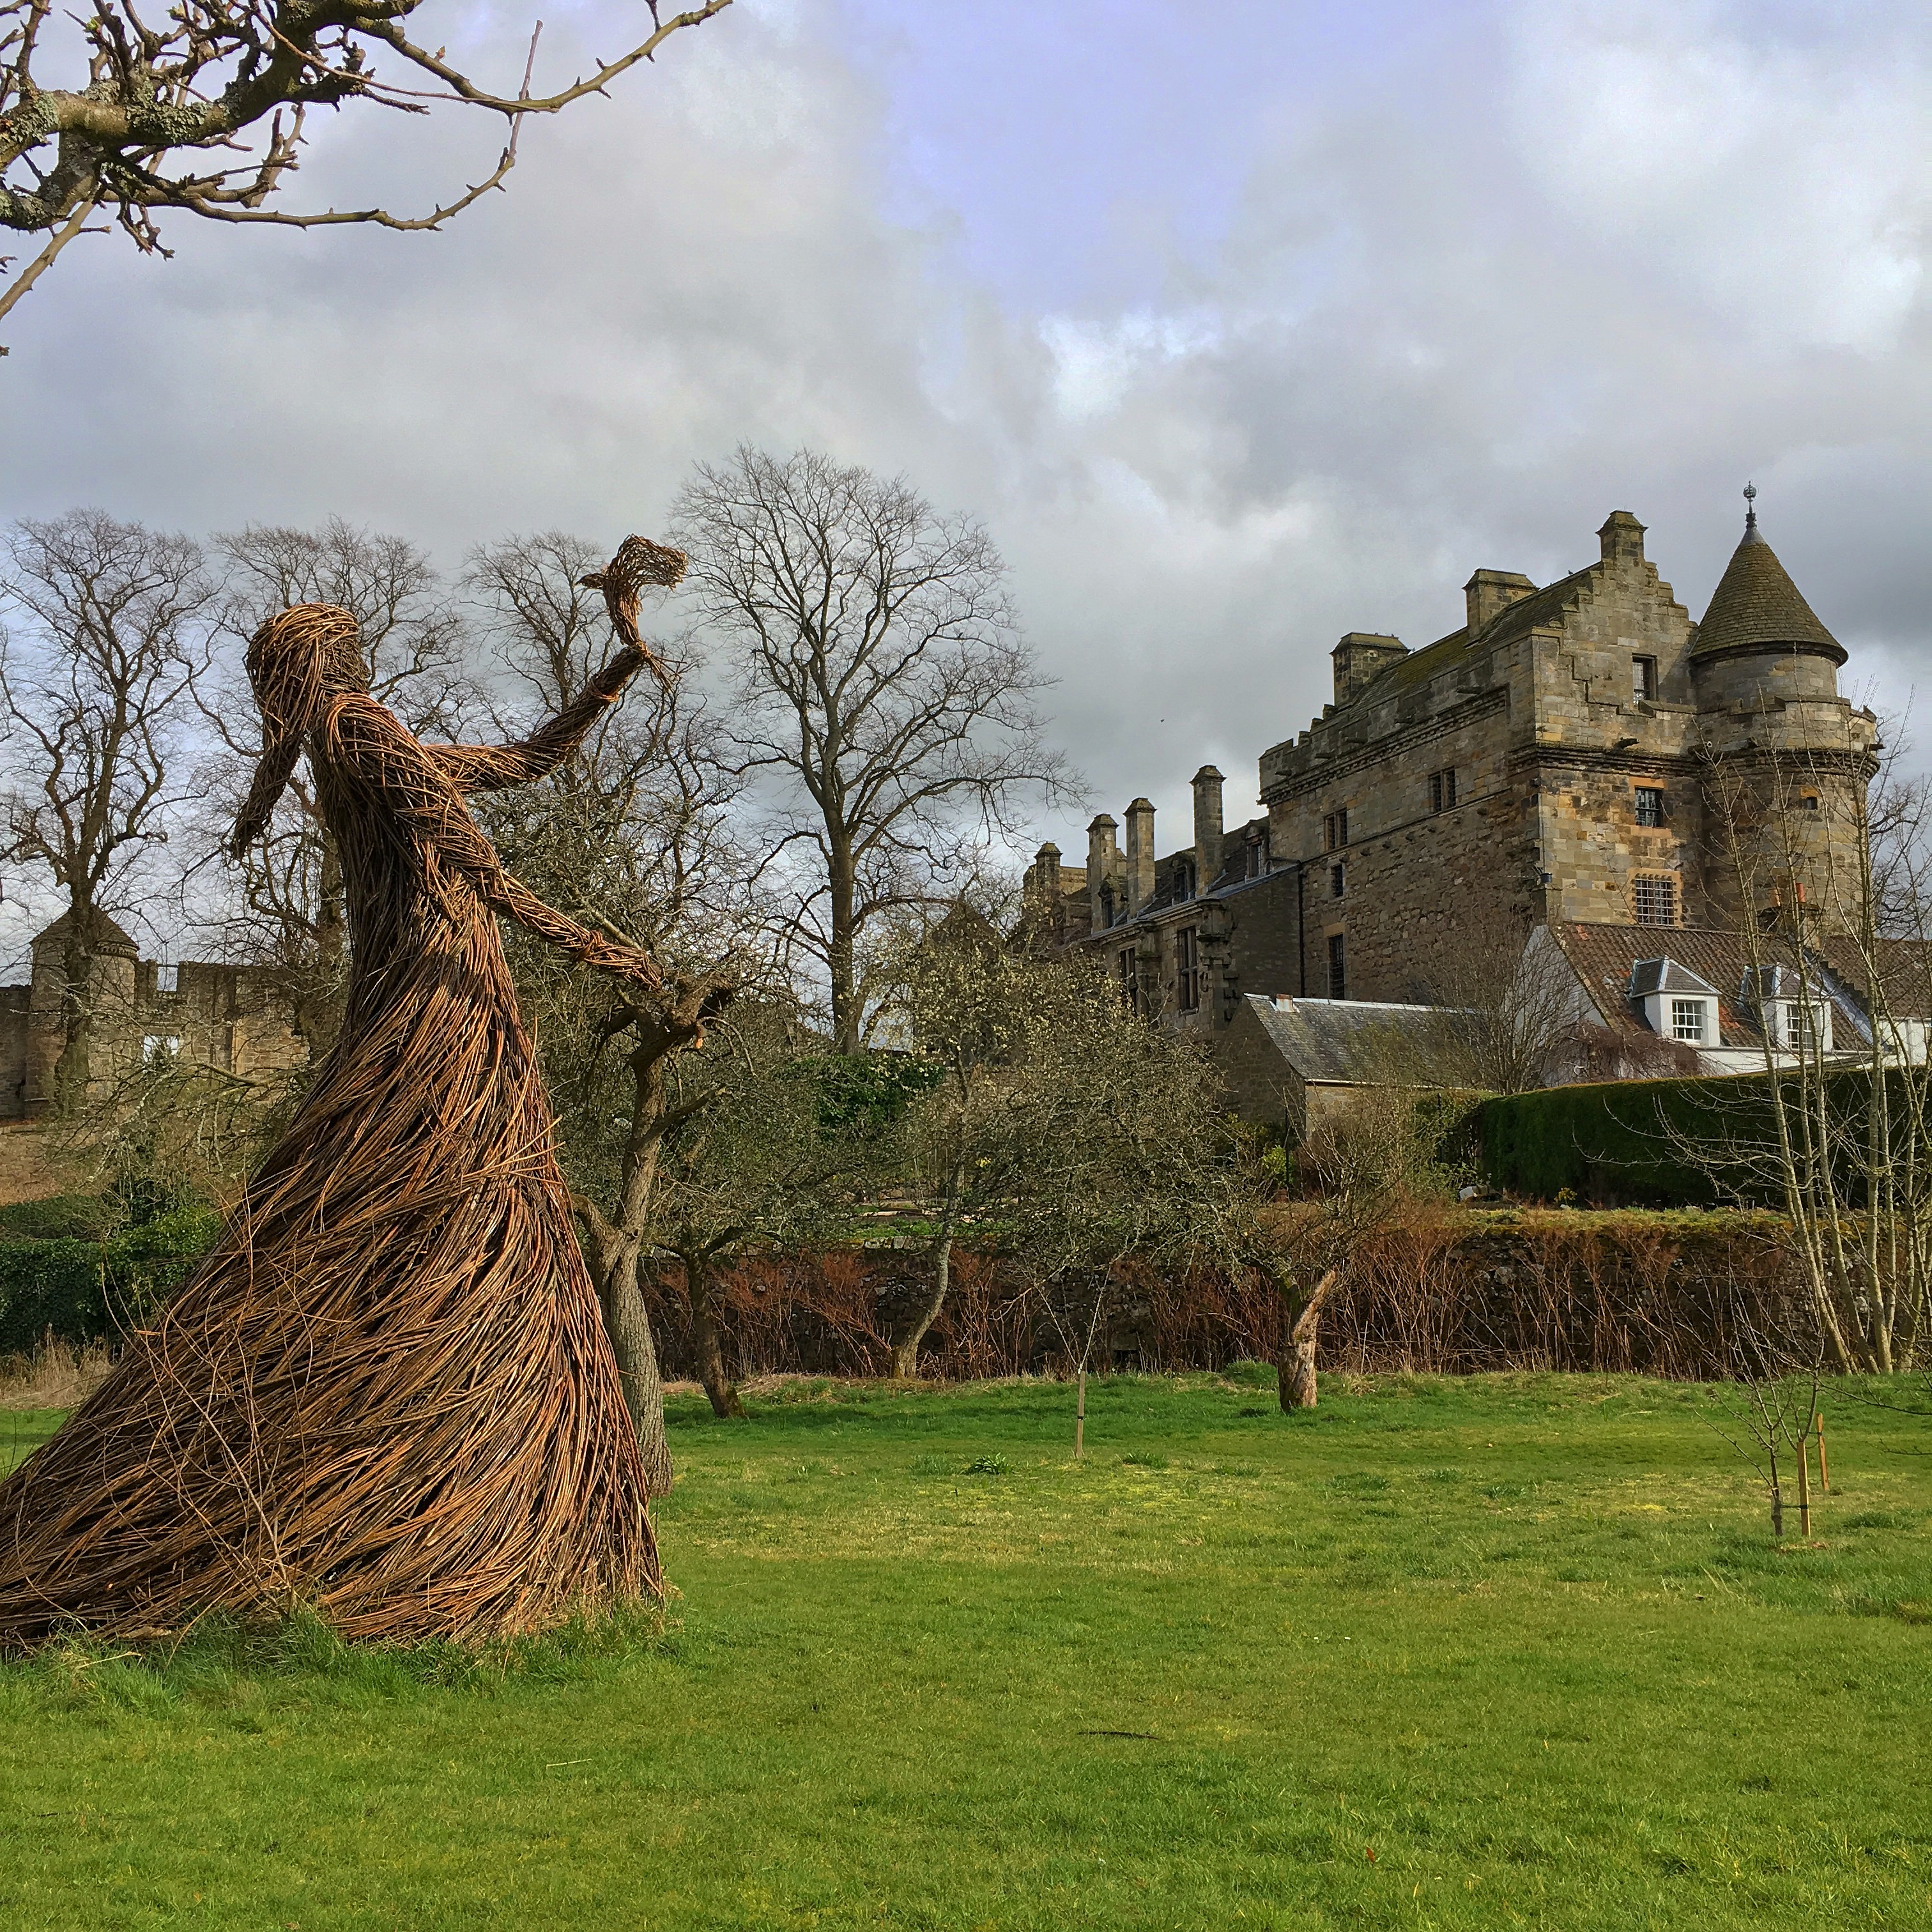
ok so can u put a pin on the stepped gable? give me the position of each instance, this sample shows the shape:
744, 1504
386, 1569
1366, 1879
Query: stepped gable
1755, 607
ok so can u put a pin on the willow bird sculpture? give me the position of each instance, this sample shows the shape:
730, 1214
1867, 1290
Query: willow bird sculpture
386, 1394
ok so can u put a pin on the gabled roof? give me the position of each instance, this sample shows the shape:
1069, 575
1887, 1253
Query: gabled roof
1667, 976
1332, 1040
1756, 605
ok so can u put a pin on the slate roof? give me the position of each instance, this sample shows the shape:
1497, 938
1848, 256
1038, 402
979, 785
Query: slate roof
1756, 603
1512, 621
1325, 1040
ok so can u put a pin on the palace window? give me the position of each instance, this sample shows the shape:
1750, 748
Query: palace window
1809, 803
1338, 881
166, 980
1649, 805
1338, 967
1335, 830
1185, 885
1126, 964
1187, 957
1643, 679
158, 1049
1654, 896
1442, 790
1686, 1021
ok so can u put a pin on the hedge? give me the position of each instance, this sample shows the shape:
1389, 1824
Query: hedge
83, 1288
1623, 1142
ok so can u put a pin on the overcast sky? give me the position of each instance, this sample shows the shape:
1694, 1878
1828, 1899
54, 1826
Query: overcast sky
1242, 322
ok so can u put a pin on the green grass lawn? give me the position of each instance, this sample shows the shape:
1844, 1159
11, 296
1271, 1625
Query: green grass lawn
1504, 1652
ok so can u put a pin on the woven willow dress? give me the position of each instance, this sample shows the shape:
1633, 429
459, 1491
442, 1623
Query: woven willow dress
387, 1393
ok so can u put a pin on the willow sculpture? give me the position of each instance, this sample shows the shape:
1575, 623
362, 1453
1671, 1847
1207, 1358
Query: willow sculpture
386, 1394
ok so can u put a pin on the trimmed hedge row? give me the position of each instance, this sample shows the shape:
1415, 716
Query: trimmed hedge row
1623, 1143
83, 1288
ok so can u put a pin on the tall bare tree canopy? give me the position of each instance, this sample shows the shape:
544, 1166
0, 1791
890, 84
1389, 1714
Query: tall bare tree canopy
886, 692
203, 110
106, 633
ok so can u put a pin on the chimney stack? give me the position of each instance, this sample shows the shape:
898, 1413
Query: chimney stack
1043, 880
1621, 536
1207, 783
1489, 592
1360, 658
1103, 861
1140, 855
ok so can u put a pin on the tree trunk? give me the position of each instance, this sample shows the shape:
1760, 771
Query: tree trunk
725, 1403
71, 1070
1295, 1372
842, 959
629, 1326
905, 1349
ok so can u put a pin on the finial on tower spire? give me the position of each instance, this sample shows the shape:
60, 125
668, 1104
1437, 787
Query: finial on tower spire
1750, 513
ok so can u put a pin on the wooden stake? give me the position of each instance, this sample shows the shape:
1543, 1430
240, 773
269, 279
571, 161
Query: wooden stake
1824, 1474
1080, 1420
1804, 1485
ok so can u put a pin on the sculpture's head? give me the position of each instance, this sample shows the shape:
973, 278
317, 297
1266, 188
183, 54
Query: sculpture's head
298, 661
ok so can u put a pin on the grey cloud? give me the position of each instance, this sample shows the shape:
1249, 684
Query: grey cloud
1543, 272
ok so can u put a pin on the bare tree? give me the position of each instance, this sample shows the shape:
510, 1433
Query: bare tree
887, 694
1508, 1013
204, 112
109, 636
631, 836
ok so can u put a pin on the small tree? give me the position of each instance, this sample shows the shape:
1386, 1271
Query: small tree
963, 1006
1117, 1145
886, 694
108, 633
754, 1159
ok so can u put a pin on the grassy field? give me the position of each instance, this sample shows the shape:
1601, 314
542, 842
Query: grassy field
1508, 1651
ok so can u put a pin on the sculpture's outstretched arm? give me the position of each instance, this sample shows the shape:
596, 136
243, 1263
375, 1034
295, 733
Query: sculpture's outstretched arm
494, 767
411, 782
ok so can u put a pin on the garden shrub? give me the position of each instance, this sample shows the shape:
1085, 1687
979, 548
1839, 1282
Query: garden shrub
85, 1285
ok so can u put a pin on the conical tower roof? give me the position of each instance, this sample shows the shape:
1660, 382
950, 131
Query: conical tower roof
1756, 606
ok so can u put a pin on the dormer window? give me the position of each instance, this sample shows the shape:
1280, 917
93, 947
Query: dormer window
1677, 1004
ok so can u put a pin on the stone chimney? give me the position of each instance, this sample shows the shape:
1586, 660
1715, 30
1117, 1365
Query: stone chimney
1360, 658
1043, 880
1103, 865
1140, 855
1207, 783
1621, 537
1489, 592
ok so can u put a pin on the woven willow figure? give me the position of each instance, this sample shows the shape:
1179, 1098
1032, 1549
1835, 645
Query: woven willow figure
387, 1393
